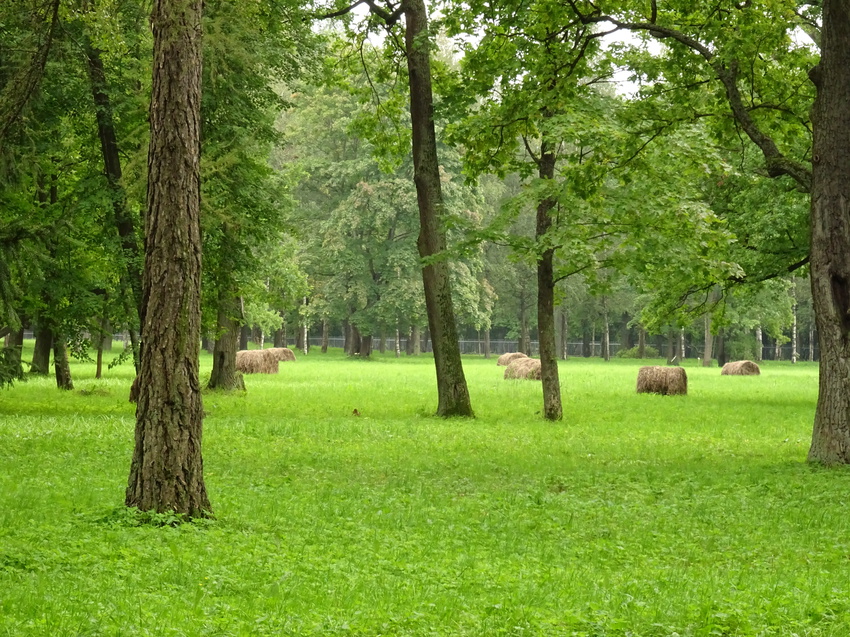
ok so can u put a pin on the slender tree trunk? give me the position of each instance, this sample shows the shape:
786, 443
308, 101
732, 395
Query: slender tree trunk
416, 338
397, 342
794, 334
707, 354
565, 335
487, 343
721, 348
166, 473
552, 409
41, 354
682, 344
811, 342
453, 394
672, 341
759, 343
642, 343
606, 332
777, 350
409, 345
586, 349
325, 336
61, 364
244, 337
125, 223
224, 374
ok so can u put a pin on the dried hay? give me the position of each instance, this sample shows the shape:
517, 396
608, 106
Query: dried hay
283, 353
505, 359
257, 361
740, 368
523, 368
667, 381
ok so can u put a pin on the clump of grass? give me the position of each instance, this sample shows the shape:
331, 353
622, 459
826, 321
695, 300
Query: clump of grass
636, 515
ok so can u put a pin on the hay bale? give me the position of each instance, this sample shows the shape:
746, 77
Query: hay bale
504, 359
523, 368
283, 353
667, 381
740, 368
256, 361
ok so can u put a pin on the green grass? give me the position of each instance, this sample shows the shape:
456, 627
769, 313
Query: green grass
637, 516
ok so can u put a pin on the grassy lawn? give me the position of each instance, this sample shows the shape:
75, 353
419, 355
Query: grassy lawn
636, 516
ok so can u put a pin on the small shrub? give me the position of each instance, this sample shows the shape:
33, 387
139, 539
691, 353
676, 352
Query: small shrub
632, 352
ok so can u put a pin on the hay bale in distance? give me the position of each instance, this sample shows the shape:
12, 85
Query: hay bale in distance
257, 361
667, 381
283, 353
740, 368
505, 359
523, 368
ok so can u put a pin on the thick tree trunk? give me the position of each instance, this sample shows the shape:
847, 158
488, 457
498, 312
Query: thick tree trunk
355, 341
365, 346
41, 354
830, 231
166, 473
453, 394
61, 364
244, 336
552, 409
224, 374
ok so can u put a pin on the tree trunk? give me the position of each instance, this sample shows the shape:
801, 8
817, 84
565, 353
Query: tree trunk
244, 336
707, 354
721, 349
606, 332
61, 364
15, 342
811, 342
586, 349
642, 344
777, 350
365, 346
408, 349
794, 334
41, 354
397, 342
382, 342
279, 338
224, 375
487, 343
452, 391
355, 341
552, 409
682, 344
565, 335
125, 223
759, 344
166, 473
324, 336
830, 232
416, 340
672, 338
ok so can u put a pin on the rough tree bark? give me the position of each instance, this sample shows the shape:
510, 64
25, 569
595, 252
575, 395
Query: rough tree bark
552, 409
166, 473
830, 231
452, 391
61, 364
41, 354
224, 374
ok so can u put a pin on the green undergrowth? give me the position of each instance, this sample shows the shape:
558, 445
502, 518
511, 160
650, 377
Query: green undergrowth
636, 516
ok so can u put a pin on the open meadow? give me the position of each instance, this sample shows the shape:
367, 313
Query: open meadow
638, 515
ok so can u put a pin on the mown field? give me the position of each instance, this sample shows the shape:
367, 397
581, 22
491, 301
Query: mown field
636, 516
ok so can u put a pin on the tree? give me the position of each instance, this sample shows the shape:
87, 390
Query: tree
166, 473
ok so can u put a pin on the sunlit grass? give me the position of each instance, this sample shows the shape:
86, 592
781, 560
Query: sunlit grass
637, 515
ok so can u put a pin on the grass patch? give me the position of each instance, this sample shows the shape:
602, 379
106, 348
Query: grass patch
638, 515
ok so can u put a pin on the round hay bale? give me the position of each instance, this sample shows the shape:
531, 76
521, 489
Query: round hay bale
523, 368
667, 381
740, 368
256, 361
504, 359
283, 353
